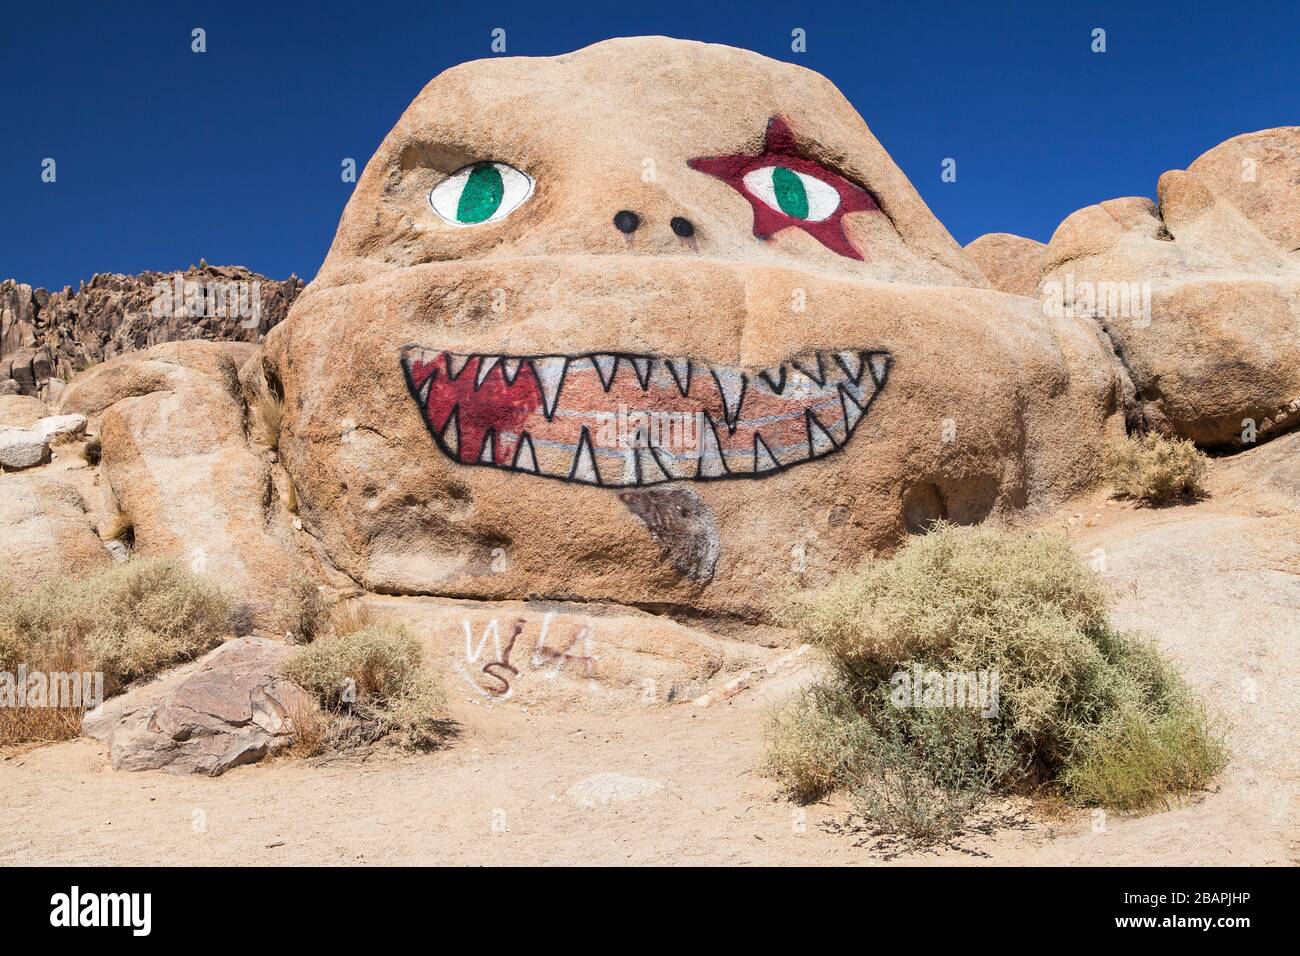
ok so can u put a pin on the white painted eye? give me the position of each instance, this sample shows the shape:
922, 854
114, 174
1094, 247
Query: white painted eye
795, 194
482, 192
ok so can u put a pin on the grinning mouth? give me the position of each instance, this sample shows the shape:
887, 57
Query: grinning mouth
623, 420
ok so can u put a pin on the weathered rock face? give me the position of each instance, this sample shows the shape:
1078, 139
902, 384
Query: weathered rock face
504, 384
46, 337
229, 708
45, 530
21, 411
1201, 293
176, 460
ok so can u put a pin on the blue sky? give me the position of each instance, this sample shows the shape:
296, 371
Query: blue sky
165, 156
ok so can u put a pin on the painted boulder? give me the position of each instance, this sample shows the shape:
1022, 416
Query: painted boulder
659, 323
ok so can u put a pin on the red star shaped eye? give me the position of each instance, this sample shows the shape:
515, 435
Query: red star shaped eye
787, 190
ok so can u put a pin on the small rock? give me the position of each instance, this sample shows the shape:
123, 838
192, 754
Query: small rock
20, 448
606, 788
74, 425
117, 551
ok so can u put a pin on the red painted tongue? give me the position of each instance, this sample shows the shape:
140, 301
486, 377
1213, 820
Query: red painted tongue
495, 406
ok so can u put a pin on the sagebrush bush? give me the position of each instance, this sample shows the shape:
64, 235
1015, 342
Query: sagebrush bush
1070, 688
1155, 470
378, 676
129, 621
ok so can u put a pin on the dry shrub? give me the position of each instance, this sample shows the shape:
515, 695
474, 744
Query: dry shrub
311, 730
349, 617
127, 622
93, 450
306, 611
120, 527
143, 381
1081, 710
1156, 470
376, 680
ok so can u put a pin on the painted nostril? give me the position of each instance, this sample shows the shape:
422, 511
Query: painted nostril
626, 221
682, 227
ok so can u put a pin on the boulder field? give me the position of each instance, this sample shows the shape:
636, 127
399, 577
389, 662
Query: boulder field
655, 330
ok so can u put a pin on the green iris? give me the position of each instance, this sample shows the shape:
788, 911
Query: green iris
482, 195
791, 195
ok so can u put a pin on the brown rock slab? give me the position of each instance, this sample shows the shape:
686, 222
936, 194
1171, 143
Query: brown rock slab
230, 707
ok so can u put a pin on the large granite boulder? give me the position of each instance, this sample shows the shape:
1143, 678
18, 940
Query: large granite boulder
660, 323
1199, 292
1011, 263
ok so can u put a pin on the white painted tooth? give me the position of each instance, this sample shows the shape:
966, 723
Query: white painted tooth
731, 386
549, 370
652, 473
820, 441
451, 433
485, 366
711, 463
584, 462
851, 362
642, 366
510, 369
774, 379
681, 372
629, 467
606, 366
811, 367
525, 458
852, 410
456, 364
488, 454
764, 460
424, 389
879, 366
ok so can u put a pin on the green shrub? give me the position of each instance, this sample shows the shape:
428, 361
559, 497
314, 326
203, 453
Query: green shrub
1071, 691
1155, 470
376, 675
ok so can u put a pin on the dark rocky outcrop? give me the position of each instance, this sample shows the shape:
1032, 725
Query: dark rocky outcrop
47, 337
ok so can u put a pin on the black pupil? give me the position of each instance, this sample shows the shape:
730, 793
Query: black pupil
626, 221
682, 227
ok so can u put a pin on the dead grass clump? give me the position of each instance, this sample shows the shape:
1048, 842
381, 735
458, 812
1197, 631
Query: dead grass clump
377, 678
127, 622
1156, 470
1067, 705
121, 528
267, 411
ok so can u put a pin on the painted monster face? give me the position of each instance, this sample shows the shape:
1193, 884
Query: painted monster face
624, 420
575, 302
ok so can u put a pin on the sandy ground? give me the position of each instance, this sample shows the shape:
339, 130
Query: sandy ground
1217, 584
